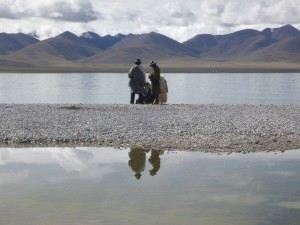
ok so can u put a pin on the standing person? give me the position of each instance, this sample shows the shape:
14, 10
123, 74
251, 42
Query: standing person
137, 81
154, 76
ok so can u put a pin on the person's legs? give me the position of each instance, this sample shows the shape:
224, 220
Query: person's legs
156, 99
132, 96
141, 99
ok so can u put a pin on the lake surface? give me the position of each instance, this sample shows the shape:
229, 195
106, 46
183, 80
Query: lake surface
76, 186
72, 186
197, 88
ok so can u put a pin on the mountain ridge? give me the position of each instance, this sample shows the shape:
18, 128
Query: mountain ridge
92, 51
13, 42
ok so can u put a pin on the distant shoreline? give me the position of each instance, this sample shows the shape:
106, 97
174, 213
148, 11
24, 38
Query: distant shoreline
172, 66
164, 70
207, 128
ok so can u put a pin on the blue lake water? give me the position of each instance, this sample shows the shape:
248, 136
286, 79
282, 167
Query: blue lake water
68, 186
108, 88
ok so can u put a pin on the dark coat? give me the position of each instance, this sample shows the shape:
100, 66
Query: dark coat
137, 80
154, 77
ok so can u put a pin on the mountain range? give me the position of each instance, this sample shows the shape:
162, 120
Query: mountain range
246, 50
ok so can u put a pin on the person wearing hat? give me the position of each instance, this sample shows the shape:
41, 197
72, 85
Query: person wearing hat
154, 77
137, 82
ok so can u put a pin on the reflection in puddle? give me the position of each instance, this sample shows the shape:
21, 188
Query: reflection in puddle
136, 186
137, 161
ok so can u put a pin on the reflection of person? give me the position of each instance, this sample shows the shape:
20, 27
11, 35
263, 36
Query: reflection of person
154, 76
137, 160
154, 160
137, 81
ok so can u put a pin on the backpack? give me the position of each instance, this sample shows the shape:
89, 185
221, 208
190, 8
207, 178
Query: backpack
163, 85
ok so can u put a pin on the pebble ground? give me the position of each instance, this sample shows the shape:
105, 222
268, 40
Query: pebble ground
209, 128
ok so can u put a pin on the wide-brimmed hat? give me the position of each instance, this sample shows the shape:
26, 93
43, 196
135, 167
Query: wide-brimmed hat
152, 63
138, 61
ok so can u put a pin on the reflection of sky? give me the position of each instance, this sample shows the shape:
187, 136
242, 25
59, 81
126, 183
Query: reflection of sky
82, 160
86, 163
75, 158
189, 186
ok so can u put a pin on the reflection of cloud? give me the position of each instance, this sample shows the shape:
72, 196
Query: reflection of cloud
72, 159
4, 155
240, 181
291, 205
52, 155
241, 198
82, 161
179, 156
7, 178
85, 162
282, 173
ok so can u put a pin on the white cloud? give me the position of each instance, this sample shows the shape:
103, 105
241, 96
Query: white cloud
177, 19
5, 12
67, 10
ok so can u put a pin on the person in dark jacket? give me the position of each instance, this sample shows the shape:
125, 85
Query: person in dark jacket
149, 98
154, 77
137, 81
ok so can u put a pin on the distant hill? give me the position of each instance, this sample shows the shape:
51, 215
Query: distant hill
285, 32
249, 45
13, 42
145, 46
287, 50
271, 47
101, 42
236, 45
60, 50
8, 63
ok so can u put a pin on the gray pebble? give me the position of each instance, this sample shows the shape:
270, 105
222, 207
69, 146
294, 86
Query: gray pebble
214, 128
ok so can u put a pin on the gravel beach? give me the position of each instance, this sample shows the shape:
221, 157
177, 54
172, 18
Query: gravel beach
208, 128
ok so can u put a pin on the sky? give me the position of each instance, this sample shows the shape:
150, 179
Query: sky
177, 19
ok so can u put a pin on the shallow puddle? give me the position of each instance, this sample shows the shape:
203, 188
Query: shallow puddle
104, 186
